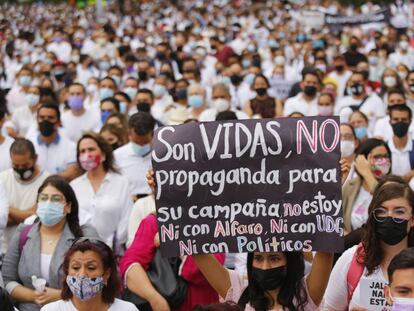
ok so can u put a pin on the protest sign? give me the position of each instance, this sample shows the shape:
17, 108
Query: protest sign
371, 293
312, 19
380, 16
280, 88
254, 185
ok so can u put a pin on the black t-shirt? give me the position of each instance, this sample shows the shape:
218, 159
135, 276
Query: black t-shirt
352, 59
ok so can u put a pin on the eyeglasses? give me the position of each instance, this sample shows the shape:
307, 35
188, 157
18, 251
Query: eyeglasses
398, 215
55, 198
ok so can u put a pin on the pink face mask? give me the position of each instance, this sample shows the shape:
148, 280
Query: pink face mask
89, 161
381, 167
325, 111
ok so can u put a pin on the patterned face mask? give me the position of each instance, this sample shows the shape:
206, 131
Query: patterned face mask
83, 287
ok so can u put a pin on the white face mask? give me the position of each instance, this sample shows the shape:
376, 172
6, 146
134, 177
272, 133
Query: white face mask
347, 148
390, 81
221, 104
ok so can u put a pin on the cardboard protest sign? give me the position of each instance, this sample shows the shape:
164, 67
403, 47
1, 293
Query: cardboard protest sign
371, 293
280, 88
254, 185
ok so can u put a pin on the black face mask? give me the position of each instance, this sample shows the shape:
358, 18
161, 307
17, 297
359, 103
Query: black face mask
365, 73
24, 174
142, 75
115, 146
357, 89
46, 128
181, 94
235, 79
389, 231
161, 56
271, 278
411, 87
353, 47
400, 129
340, 68
310, 90
144, 106
261, 91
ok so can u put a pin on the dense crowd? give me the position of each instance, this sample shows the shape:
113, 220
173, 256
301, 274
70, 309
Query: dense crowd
82, 93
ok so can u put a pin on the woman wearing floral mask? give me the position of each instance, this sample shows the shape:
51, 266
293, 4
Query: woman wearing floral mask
387, 232
103, 193
37, 249
92, 280
373, 162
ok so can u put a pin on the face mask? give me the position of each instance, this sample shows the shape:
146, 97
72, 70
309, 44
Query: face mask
249, 78
181, 94
144, 106
117, 80
195, 101
83, 287
365, 73
310, 90
141, 150
26, 60
23, 174
75, 102
246, 63
373, 60
400, 129
91, 88
321, 67
261, 91
104, 116
226, 80
271, 278
50, 213
75, 58
402, 74
280, 60
25, 80
104, 66
89, 161
160, 55
389, 231
142, 75
347, 148
381, 167
159, 90
361, 132
123, 107
115, 146
402, 304
325, 111
235, 79
32, 99
131, 92
357, 89
404, 45
105, 93
411, 86
353, 47
46, 128
221, 104
390, 81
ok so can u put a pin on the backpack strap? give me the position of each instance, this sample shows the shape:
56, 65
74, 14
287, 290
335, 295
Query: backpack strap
356, 269
23, 236
411, 155
357, 107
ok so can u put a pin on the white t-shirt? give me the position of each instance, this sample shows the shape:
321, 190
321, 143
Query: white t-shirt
61, 305
299, 104
400, 158
45, 260
22, 120
383, 129
76, 126
336, 294
211, 114
359, 214
5, 162
141, 209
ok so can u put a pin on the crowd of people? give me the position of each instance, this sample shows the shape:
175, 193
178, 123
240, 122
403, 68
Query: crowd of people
82, 93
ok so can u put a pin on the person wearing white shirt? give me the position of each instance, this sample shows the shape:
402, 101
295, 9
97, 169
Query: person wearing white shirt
134, 158
57, 154
104, 196
24, 117
372, 105
145, 81
403, 55
78, 120
60, 47
306, 102
401, 145
162, 98
16, 97
5, 143
21, 183
4, 212
340, 74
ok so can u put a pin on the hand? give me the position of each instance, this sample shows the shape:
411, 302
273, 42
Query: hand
157, 240
362, 166
48, 295
151, 180
344, 170
358, 309
158, 303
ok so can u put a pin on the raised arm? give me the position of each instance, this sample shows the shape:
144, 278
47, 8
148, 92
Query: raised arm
318, 278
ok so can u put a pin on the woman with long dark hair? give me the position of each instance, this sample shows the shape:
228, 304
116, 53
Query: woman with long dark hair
37, 249
388, 231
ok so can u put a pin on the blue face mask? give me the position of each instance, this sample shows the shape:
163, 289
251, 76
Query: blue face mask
141, 150
159, 90
104, 116
360, 132
105, 93
246, 63
50, 213
195, 101
25, 80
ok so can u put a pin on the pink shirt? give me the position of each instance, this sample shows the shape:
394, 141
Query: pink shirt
142, 251
238, 285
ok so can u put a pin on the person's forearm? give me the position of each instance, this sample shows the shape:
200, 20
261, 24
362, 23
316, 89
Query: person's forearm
71, 172
17, 216
138, 282
23, 294
318, 278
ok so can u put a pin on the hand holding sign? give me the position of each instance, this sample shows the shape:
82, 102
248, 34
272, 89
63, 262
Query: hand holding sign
253, 185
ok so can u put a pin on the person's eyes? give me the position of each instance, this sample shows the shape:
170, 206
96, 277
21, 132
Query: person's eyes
274, 258
258, 258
